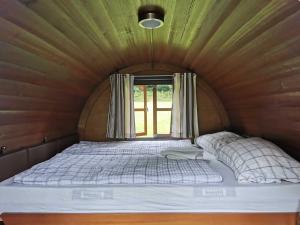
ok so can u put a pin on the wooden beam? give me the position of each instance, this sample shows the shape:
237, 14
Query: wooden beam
152, 218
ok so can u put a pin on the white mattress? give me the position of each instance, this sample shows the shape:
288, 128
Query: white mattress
225, 197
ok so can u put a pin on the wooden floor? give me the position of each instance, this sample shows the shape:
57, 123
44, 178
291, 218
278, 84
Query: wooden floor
153, 219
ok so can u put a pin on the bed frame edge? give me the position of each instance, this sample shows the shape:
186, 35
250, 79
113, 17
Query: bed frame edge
151, 218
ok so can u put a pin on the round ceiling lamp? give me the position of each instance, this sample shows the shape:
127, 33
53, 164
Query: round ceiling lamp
151, 18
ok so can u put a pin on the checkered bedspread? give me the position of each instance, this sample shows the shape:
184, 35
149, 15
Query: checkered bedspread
125, 147
68, 169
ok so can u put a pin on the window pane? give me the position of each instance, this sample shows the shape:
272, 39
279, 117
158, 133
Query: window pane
163, 122
150, 110
139, 122
138, 105
149, 92
164, 96
139, 96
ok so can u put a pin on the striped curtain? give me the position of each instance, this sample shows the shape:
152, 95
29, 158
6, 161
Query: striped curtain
121, 110
184, 110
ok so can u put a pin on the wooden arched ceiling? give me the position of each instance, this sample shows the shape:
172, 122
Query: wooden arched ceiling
53, 53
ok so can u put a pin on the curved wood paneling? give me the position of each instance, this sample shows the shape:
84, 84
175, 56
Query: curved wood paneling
93, 120
247, 51
43, 88
211, 113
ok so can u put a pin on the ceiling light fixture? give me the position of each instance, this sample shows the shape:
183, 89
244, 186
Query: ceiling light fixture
151, 17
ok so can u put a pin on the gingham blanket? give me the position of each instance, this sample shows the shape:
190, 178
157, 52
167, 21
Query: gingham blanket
68, 169
125, 147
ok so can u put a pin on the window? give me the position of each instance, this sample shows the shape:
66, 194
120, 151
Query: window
140, 109
162, 108
153, 107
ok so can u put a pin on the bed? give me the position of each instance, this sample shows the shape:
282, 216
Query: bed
142, 202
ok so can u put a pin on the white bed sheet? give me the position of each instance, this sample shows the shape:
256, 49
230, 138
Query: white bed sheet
125, 147
225, 197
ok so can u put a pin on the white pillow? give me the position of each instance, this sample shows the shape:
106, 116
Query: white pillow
255, 160
213, 143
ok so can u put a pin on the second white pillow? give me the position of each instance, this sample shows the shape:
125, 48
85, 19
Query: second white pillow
213, 143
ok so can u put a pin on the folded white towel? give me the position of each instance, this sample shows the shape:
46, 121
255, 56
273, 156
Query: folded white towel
208, 156
182, 153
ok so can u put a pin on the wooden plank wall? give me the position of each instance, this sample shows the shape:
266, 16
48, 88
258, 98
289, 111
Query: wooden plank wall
256, 72
54, 53
43, 88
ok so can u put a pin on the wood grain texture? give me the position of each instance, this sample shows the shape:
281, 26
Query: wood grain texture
55, 53
152, 219
93, 120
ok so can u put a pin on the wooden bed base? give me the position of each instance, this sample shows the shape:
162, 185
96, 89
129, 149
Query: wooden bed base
151, 219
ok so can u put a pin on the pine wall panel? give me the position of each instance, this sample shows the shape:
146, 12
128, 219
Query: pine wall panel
53, 55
